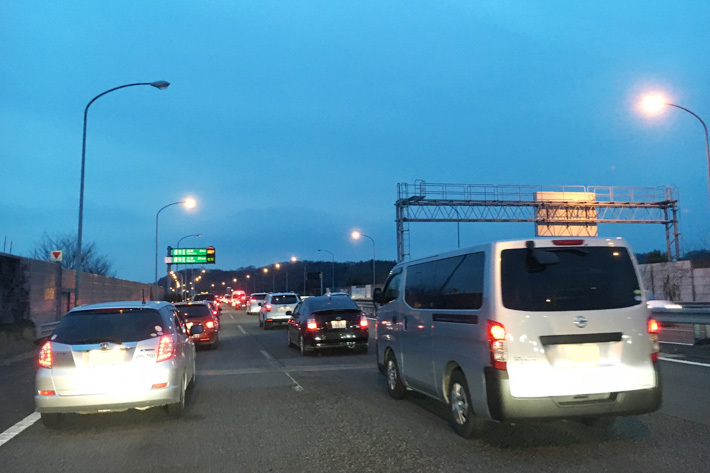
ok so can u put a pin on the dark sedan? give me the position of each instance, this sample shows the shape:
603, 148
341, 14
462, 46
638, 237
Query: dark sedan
328, 322
199, 313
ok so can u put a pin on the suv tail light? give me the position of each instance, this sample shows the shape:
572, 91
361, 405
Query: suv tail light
166, 349
267, 307
497, 344
653, 329
363, 322
45, 355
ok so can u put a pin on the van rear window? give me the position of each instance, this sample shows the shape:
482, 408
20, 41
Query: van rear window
566, 279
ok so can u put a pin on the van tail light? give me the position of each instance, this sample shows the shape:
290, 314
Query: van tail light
567, 242
267, 307
497, 344
363, 322
653, 329
45, 355
311, 324
166, 349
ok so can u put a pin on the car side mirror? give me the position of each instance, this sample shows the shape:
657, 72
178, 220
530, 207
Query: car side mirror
196, 329
377, 295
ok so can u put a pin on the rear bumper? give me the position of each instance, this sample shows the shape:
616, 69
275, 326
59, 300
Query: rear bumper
504, 407
337, 340
92, 403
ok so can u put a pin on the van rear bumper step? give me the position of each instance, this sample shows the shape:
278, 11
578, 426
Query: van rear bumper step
506, 408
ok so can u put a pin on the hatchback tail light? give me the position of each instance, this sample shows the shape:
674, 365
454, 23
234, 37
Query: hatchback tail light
45, 355
166, 349
497, 344
311, 324
363, 322
653, 329
209, 324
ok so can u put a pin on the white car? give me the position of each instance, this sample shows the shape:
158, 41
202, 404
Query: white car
273, 309
254, 302
113, 357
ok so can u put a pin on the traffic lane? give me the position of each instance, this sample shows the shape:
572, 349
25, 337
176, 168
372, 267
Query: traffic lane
17, 391
685, 389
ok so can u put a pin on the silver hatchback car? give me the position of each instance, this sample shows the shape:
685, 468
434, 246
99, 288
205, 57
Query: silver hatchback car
113, 357
273, 309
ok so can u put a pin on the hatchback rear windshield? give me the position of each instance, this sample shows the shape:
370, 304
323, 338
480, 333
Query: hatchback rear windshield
285, 299
318, 304
564, 279
193, 311
104, 325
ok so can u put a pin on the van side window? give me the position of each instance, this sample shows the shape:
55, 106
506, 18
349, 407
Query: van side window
392, 286
450, 283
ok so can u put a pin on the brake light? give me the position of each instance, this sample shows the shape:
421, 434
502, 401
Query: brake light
209, 324
159, 386
46, 393
214, 312
311, 324
45, 355
166, 349
497, 344
363, 322
567, 242
653, 329
267, 307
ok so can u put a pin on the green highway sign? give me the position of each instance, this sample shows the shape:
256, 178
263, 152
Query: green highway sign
191, 255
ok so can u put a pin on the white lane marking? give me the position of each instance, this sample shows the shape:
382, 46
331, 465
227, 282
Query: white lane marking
242, 329
676, 343
10, 433
296, 387
694, 363
266, 354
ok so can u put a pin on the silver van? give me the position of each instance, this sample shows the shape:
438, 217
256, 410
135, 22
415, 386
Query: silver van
522, 330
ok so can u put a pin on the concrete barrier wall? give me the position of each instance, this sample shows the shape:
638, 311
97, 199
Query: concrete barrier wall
49, 291
681, 281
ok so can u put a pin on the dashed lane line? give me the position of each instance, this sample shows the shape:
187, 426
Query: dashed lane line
685, 362
13, 431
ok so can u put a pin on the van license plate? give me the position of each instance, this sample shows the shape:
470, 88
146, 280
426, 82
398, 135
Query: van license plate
583, 353
337, 324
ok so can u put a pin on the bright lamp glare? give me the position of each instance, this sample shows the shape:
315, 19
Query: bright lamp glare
355, 235
190, 203
652, 104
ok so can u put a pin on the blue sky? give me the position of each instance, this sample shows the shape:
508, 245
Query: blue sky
291, 123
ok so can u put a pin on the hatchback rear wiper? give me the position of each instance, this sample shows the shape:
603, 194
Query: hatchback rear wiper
98, 340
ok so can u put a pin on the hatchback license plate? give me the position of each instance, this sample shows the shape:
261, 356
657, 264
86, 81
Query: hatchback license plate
337, 323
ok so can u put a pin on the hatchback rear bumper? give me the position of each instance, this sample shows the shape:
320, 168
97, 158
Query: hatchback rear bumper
93, 403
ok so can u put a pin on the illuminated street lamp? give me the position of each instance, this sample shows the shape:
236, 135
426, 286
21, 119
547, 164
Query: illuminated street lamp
356, 235
161, 85
265, 270
189, 204
653, 104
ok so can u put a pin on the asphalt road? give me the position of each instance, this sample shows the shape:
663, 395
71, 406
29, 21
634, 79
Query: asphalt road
259, 406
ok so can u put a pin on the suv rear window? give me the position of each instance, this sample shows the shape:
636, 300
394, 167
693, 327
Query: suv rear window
258, 297
285, 299
194, 310
115, 325
580, 278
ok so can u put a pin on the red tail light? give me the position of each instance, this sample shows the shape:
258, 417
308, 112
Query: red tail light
653, 329
45, 355
363, 322
568, 242
267, 307
166, 349
497, 344
46, 393
214, 312
209, 324
311, 324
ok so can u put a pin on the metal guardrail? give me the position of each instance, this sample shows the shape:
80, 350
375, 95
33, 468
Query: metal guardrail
46, 329
686, 313
368, 307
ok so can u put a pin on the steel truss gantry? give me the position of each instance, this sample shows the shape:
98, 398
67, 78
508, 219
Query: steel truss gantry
427, 202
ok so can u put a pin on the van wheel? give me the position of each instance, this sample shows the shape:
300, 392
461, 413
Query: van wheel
463, 420
601, 422
51, 421
395, 386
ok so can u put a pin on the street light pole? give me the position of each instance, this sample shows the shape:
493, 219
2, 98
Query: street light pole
161, 85
356, 235
332, 270
198, 235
